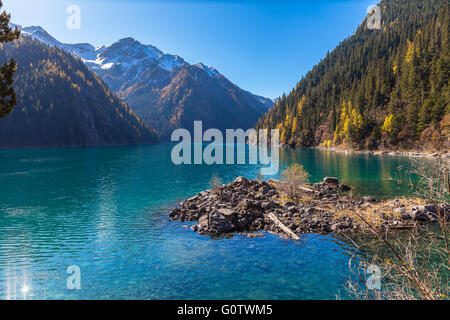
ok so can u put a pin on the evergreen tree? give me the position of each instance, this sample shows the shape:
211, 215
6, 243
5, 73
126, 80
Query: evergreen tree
378, 88
7, 95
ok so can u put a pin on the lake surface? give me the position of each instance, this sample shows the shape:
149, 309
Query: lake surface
106, 211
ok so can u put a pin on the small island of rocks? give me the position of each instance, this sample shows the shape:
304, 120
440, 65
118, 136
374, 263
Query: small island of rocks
249, 206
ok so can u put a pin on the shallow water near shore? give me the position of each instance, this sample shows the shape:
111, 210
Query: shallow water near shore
106, 211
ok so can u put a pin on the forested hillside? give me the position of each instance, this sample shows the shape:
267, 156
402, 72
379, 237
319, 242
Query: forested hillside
63, 104
379, 89
164, 90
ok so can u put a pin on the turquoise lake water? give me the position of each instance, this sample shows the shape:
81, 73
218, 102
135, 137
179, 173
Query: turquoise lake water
106, 211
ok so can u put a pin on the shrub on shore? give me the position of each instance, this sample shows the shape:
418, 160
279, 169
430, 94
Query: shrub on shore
415, 265
294, 177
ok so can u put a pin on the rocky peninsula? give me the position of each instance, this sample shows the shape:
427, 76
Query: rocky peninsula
248, 206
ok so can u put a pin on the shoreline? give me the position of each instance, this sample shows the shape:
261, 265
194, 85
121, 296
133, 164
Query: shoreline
410, 153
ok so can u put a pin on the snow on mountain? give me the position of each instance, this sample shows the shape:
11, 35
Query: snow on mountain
124, 53
265, 101
40, 34
209, 70
170, 62
85, 51
165, 91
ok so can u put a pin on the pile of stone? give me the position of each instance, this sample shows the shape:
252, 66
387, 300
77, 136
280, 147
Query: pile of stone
244, 205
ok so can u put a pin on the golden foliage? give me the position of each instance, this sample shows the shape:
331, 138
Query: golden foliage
387, 125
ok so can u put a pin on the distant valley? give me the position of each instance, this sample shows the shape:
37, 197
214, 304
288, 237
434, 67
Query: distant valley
164, 90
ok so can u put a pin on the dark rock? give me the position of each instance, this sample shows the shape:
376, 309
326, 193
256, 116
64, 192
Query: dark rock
225, 196
192, 206
242, 223
344, 188
331, 180
292, 209
369, 199
270, 205
430, 208
214, 223
406, 215
271, 193
175, 214
257, 224
420, 214
430, 212
228, 213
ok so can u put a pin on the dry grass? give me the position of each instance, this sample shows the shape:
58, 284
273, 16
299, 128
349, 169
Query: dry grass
293, 178
415, 266
376, 213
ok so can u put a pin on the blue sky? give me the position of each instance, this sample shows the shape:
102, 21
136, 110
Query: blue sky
263, 46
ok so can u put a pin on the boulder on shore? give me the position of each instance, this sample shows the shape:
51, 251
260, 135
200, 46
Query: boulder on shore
331, 180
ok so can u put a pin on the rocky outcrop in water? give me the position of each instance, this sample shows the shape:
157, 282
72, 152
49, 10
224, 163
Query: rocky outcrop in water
244, 206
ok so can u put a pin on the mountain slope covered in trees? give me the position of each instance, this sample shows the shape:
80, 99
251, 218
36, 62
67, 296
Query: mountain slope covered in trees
61, 103
379, 89
164, 90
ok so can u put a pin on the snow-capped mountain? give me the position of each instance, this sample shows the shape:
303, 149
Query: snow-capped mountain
265, 101
212, 72
61, 103
40, 34
126, 53
163, 89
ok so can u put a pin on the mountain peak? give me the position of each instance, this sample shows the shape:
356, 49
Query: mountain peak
128, 40
127, 63
28, 29
38, 33
212, 72
124, 53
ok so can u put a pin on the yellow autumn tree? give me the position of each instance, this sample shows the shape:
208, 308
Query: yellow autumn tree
282, 131
300, 105
294, 125
350, 124
387, 125
409, 51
